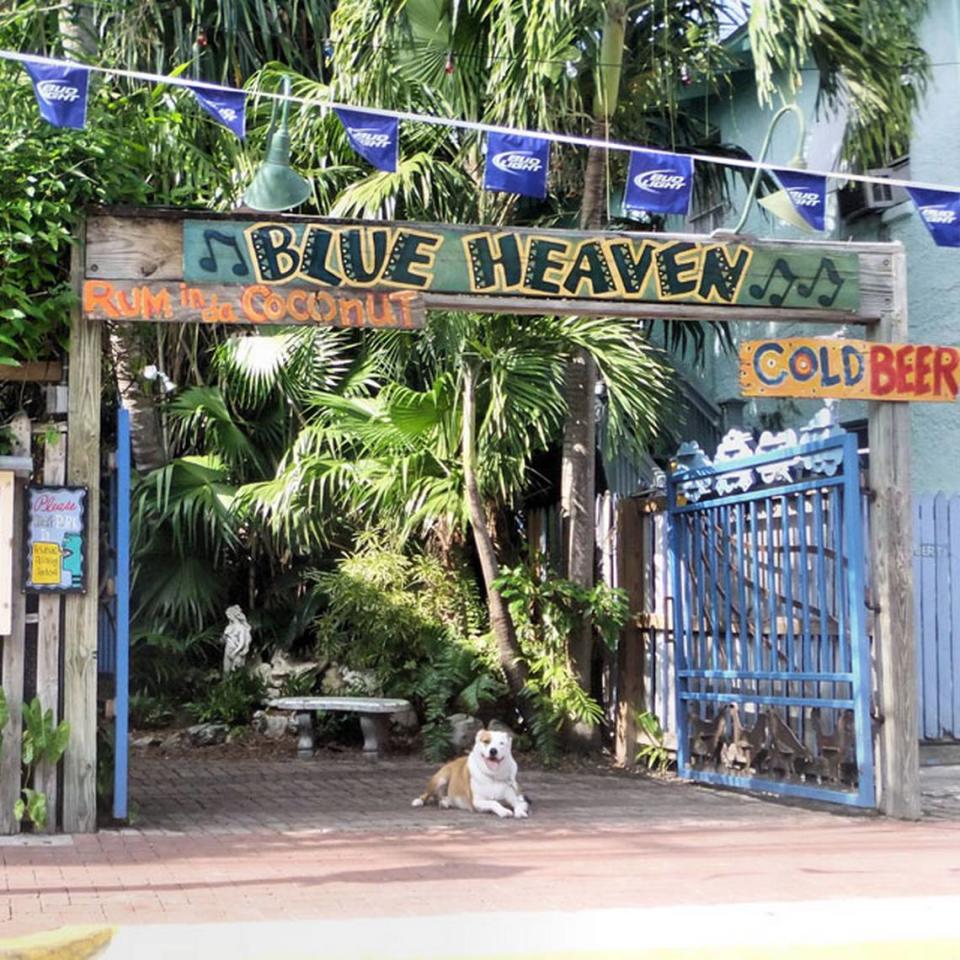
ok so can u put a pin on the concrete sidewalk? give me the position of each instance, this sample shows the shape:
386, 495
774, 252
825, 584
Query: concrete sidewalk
337, 840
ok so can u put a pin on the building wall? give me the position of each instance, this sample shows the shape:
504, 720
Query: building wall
933, 272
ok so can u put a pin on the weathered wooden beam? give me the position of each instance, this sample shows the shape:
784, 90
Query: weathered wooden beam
80, 610
630, 660
34, 371
892, 580
12, 495
48, 631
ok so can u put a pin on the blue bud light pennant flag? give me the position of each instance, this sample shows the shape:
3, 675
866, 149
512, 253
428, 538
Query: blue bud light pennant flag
376, 139
658, 182
940, 211
61, 93
517, 164
807, 193
227, 107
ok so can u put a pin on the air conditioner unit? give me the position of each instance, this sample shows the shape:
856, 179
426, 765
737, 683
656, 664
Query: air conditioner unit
858, 198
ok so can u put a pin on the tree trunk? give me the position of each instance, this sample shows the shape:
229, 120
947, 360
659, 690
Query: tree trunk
578, 475
501, 622
79, 38
146, 439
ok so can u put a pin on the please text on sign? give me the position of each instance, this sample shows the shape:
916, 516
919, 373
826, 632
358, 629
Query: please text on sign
848, 369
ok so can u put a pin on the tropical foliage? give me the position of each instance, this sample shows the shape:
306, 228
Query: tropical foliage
278, 452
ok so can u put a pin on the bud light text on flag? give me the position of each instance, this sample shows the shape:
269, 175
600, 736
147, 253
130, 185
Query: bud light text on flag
807, 193
517, 164
61, 93
658, 182
940, 212
938, 215
53, 90
375, 138
227, 107
369, 138
516, 160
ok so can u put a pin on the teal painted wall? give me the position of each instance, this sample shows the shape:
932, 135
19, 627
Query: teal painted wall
933, 272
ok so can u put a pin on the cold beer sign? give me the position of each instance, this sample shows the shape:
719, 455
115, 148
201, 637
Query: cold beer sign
848, 370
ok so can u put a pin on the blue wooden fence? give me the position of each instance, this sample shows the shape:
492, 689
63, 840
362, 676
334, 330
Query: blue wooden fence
936, 572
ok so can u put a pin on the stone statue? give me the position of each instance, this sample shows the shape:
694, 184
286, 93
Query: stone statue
236, 640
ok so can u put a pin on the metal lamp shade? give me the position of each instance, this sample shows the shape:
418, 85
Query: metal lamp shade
276, 185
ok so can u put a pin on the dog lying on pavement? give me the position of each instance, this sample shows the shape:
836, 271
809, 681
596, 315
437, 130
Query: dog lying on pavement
485, 780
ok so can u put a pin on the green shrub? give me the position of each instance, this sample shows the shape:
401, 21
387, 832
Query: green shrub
652, 751
547, 611
147, 712
231, 700
418, 625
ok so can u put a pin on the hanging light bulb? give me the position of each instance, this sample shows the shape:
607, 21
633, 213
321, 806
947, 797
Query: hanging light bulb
448, 66
571, 70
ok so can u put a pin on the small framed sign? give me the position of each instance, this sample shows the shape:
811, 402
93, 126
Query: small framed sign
55, 543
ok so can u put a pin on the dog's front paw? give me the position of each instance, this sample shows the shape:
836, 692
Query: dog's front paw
521, 810
418, 802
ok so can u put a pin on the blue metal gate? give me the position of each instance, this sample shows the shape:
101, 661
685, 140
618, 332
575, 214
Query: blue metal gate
773, 660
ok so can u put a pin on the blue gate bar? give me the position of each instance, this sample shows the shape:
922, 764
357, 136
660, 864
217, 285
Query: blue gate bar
799, 676
772, 698
742, 620
859, 642
805, 663
787, 578
714, 619
697, 652
757, 597
772, 492
771, 588
727, 559
123, 617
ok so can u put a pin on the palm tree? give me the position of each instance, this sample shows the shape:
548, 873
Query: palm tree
538, 64
455, 452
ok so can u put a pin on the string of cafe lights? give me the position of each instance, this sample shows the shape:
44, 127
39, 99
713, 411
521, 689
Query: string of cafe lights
475, 126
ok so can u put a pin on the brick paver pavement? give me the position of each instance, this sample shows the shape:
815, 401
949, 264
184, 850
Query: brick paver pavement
337, 838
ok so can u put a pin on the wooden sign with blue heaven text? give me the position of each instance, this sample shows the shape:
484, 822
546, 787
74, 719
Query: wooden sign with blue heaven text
518, 263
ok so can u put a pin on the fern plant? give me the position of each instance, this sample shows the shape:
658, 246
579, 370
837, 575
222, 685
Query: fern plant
652, 751
547, 610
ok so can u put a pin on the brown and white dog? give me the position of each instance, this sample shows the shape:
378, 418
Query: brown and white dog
484, 780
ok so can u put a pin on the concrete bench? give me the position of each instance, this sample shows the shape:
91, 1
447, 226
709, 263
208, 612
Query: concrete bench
374, 718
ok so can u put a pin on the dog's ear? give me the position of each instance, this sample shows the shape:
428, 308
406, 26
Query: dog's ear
480, 733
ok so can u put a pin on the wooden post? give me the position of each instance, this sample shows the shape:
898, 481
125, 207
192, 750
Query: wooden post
630, 653
12, 498
80, 610
48, 634
891, 552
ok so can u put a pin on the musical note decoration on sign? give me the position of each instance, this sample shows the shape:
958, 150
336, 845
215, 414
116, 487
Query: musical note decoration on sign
827, 267
782, 271
209, 262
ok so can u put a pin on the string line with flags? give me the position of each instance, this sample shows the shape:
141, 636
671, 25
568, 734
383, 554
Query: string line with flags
658, 181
